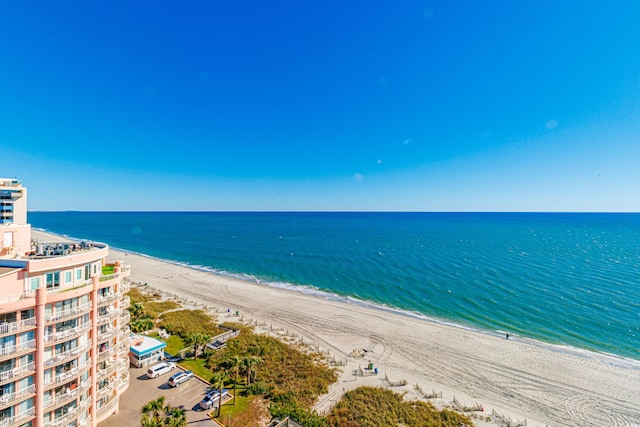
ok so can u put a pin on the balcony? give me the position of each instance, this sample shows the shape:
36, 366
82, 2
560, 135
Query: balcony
71, 415
108, 299
123, 381
18, 326
65, 314
107, 389
109, 316
109, 369
68, 355
67, 397
125, 317
17, 372
125, 302
105, 354
18, 419
69, 375
107, 334
108, 407
17, 350
125, 287
68, 333
12, 398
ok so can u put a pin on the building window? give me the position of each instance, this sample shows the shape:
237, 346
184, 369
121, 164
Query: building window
35, 283
53, 280
67, 277
78, 274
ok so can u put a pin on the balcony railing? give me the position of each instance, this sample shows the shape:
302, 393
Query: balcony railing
71, 414
104, 354
10, 397
107, 334
108, 370
123, 381
67, 397
71, 312
107, 390
110, 276
17, 326
125, 302
125, 317
13, 349
68, 286
16, 372
70, 374
22, 416
68, 333
109, 406
64, 356
105, 318
125, 287
114, 296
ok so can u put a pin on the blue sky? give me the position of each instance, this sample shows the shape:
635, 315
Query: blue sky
316, 105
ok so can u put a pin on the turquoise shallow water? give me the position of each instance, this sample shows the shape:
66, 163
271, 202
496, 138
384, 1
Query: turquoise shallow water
569, 279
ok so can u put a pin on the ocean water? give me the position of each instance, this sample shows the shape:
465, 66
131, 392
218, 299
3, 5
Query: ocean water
567, 279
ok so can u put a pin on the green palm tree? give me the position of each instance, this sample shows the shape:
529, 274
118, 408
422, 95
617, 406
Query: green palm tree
149, 421
250, 365
177, 418
197, 340
217, 381
136, 310
233, 363
154, 408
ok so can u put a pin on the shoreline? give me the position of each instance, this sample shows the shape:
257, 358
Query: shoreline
520, 378
622, 361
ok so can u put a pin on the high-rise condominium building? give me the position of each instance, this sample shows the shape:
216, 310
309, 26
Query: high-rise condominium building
63, 325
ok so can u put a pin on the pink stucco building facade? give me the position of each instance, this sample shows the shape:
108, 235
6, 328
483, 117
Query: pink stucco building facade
63, 325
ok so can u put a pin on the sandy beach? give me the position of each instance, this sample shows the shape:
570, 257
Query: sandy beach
517, 379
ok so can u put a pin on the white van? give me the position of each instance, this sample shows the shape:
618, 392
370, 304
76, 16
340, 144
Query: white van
161, 368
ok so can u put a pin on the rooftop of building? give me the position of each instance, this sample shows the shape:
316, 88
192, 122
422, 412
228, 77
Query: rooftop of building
9, 182
40, 250
142, 345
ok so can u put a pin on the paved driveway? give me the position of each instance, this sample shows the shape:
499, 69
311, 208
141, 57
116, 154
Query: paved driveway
141, 390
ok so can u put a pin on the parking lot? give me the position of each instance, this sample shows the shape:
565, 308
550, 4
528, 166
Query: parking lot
142, 389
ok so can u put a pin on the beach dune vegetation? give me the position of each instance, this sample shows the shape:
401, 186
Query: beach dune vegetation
287, 377
188, 322
378, 407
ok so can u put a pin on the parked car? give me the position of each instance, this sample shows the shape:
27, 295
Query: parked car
179, 378
211, 398
160, 369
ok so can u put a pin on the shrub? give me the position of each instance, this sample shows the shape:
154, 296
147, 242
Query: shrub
377, 407
186, 322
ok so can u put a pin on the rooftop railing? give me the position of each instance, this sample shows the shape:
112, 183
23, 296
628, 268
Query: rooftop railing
43, 250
